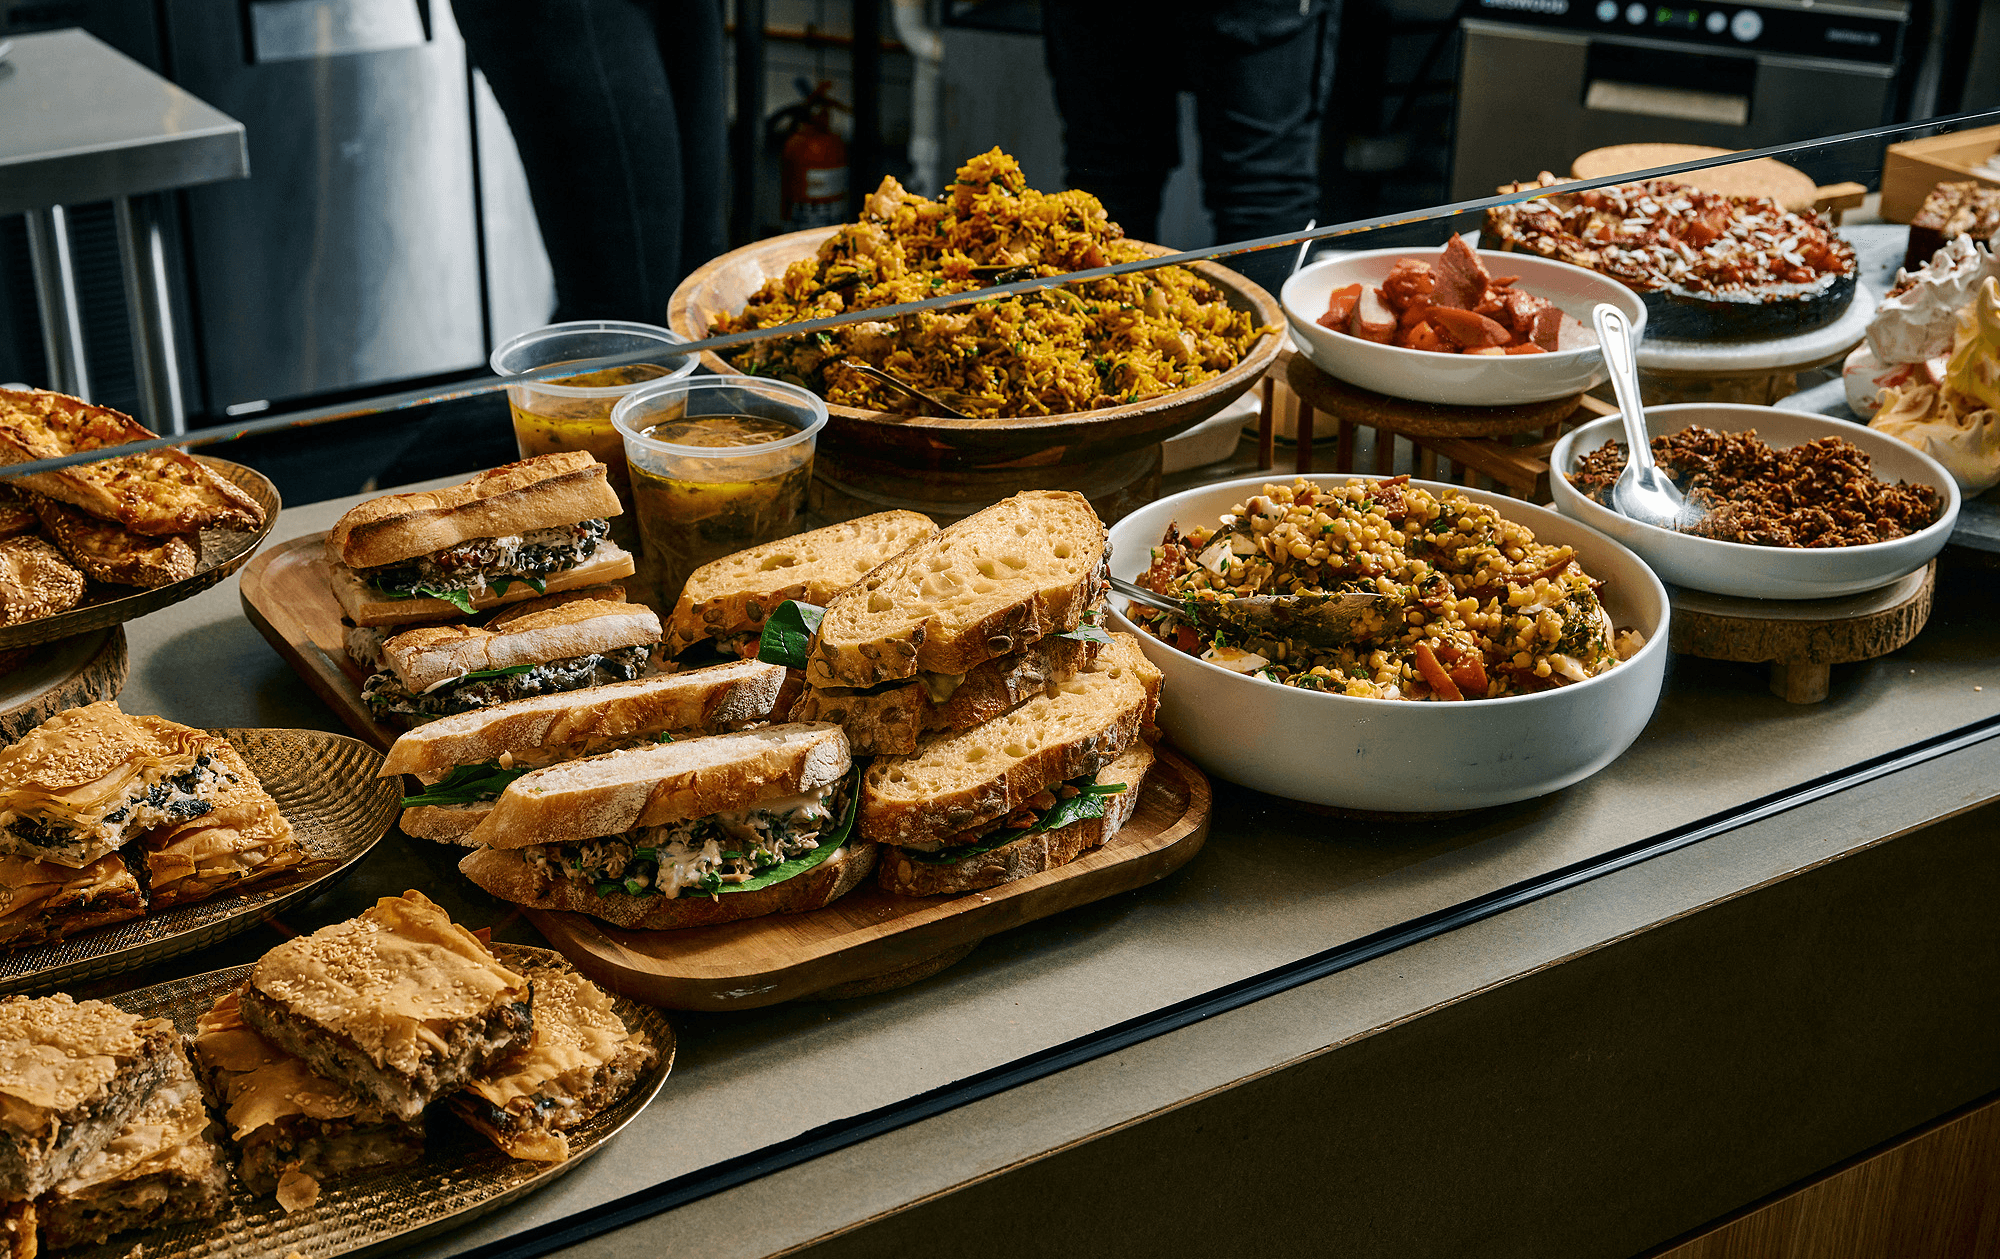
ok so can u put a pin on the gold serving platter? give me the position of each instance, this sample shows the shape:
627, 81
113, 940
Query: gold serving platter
324, 783
461, 1177
223, 551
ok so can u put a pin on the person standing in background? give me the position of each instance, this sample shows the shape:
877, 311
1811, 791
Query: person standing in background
617, 108
1259, 71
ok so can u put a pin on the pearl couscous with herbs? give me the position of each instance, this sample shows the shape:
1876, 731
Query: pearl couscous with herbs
1475, 608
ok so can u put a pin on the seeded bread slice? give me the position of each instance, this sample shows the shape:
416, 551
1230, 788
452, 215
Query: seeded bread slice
1028, 566
898, 872
889, 722
508, 876
958, 782
736, 592
651, 786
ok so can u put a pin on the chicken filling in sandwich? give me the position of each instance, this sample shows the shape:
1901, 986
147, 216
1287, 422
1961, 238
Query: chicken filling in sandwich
470, 568
386, 694
771, 840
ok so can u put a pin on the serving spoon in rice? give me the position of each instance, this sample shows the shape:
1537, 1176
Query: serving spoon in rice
876, 373
1323, 620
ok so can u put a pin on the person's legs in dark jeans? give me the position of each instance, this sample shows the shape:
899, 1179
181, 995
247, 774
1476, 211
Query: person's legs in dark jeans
1117, 76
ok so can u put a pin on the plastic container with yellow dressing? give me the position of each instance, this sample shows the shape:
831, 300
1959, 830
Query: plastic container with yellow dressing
717, 464
574, 412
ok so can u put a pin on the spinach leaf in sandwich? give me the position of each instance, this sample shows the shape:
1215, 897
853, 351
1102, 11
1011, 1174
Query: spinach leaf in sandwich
829, 843
1088, 631
466, 784
509, 671
788, 633
1091, 800
536, 584
456, 598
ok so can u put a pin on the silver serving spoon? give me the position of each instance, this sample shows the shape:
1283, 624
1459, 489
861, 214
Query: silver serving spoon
876, 373
1324, 620
1304, 245
1642, 491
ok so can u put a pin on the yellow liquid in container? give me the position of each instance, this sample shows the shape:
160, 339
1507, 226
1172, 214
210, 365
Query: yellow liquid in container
545, 423
701, 510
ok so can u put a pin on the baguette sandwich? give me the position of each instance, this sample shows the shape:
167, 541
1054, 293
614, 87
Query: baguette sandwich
1019, 794
728, 599
960, 628
685, 834
467, 759
507, 534
435, 670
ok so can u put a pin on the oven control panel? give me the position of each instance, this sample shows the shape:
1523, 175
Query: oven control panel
1810, 30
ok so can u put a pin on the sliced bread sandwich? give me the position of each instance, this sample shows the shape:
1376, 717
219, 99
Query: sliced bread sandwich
435, 670
507, 534
683, 834
987, 586
728, 599
467, 759
957, 789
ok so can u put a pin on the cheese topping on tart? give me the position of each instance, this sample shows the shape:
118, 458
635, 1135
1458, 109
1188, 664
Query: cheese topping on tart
391, 981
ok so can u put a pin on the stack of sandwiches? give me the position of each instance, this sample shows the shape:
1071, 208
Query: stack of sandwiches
493, 590
105, 814
331, 1055
104, 1130
134, 520
1009, 734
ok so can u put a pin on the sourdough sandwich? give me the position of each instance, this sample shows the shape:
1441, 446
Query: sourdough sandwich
957, 787
437, 670
728, 599
465, 760
401, 1003
582, 1061
991, 584
699, 831
290, 1126
505, 535
72, 1075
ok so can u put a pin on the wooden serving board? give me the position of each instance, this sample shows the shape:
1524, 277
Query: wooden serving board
286, 597
53, 677
869, 934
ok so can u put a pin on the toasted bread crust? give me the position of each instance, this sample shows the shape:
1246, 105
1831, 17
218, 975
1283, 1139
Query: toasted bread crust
737, 592
366, 605
891, 722
431, 654
539, 493
709, 700
444, 824
926, 799
1031, 854
862, 644
509, 877
618, 791
107, 551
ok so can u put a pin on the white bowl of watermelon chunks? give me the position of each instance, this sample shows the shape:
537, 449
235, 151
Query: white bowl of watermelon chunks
1456, 326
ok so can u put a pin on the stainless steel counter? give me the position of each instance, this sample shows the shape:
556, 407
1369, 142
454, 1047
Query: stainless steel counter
1676, 1027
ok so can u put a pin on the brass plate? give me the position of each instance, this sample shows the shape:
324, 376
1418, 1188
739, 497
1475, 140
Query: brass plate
462, 1175
324, 783
223, 551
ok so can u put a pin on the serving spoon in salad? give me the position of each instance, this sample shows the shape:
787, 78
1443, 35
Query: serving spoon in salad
1323, 620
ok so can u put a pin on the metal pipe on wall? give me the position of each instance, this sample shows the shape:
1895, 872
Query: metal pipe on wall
55, 297
149, 309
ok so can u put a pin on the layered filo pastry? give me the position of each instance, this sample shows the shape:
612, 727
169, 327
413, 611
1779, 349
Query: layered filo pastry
241, 841
293, 1129
163, 1167
41, 901
86, 781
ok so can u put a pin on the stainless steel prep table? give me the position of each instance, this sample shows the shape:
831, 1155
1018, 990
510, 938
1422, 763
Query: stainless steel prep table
1591, 1072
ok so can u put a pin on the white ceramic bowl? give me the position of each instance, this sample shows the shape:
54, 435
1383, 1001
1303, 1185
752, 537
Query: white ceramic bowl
1403, 756
1761, 572
1464, 380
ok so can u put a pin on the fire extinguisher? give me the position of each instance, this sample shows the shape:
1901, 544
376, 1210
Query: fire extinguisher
812, 184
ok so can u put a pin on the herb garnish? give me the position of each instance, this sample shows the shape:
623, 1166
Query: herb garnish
788, 633
466, 784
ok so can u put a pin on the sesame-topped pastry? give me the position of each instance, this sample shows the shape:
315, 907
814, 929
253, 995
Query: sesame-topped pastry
241, 841
293, 1129
85, 781
582, 1060
163, 1167
72, 1073
401, 1003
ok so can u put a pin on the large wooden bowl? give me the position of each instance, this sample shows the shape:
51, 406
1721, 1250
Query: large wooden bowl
723, 287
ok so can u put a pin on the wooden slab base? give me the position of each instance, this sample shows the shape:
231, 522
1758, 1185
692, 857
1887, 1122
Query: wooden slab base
1355, 405
53, 677
286, 597
869, 940
1802, 639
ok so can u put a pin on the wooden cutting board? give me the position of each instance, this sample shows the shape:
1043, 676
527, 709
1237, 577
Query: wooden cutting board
286, 597
869, 934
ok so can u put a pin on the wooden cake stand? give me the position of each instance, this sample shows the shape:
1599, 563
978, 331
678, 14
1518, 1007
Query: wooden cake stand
1509, 445
1802, 639
40, 681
